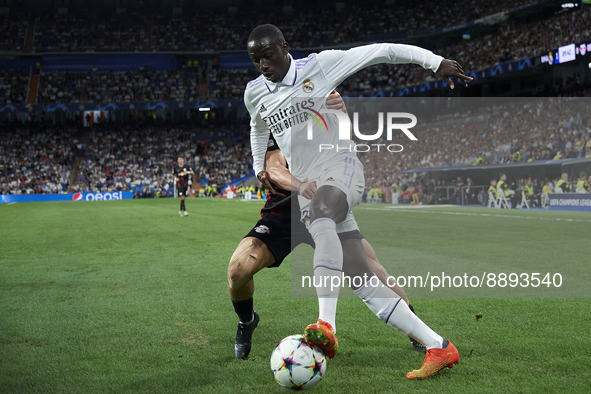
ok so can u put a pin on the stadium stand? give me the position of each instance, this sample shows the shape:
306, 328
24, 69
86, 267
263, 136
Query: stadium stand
508, 44
14, 85
39, 159
541, 136
87, 32
214, 30
143, 85
562, 126
129, 159
503, 45
36, 160
12, 32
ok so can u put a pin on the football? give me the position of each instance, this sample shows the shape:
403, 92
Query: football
297, 366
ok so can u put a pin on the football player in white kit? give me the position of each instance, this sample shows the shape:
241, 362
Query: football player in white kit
280, 101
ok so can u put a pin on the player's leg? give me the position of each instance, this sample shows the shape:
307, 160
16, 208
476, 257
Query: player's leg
182, 192
266, 245
183, 207
250, 257
328, 207
380, 271
387, 280
386, 304
340, 188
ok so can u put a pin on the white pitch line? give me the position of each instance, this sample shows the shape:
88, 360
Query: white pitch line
476, 214
420, 206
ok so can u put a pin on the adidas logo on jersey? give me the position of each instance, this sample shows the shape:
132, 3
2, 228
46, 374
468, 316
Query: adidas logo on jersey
262, 109
331, 179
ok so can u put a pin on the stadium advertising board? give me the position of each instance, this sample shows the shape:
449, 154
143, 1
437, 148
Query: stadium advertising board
570, 202
566, 53
87, 196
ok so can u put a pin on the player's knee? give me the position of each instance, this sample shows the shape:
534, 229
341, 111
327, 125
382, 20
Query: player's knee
329, 202
244, 263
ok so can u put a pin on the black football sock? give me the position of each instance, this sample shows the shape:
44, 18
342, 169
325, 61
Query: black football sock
244, 309
183, 205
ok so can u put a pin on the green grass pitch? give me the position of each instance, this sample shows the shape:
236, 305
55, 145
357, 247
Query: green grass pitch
127, 297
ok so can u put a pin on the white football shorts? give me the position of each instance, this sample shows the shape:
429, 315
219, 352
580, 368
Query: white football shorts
346, 175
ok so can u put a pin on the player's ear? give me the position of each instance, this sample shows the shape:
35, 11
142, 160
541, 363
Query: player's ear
285, 48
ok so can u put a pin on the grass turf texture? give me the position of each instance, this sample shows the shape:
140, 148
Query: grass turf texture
126, 296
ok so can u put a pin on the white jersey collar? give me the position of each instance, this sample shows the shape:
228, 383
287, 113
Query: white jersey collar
289, 78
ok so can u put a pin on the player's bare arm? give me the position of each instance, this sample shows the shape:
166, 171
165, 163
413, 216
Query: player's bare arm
452, 69
277, 174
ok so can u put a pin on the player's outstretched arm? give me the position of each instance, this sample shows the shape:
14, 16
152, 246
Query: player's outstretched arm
339, 65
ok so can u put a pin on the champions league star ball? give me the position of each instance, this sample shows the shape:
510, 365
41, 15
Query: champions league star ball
297, 366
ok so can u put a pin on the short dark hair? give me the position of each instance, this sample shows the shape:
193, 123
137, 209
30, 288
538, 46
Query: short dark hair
268, 30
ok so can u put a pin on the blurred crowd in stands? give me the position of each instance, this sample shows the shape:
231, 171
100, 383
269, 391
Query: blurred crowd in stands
69, 33
522, 131
90, 33
12, 32
210, 29
36, 160
507, 43
143, 85
39, 159
14, 86
123, 158
141, 160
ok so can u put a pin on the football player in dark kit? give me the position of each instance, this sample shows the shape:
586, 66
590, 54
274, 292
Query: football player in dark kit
181, 174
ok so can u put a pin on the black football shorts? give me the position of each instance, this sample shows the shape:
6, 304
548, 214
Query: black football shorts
277, 232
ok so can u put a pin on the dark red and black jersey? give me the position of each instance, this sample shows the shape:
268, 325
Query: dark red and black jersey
183, 180
279, 205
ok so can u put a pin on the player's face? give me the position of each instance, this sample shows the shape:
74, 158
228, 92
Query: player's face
269, 58
181, 162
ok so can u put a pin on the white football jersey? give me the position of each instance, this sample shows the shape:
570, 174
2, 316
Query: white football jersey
284, 108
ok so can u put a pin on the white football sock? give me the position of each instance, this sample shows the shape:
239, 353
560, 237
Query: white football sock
391, 309
328, 263
327, 310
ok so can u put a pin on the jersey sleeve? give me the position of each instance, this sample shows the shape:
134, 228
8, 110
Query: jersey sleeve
338, 65
256, 121
259, 136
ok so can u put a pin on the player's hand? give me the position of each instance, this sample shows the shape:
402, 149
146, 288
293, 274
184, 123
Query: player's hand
307, 189
450, 68
335, 101
266, 182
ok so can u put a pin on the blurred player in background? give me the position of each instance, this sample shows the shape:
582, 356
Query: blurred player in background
181, 174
